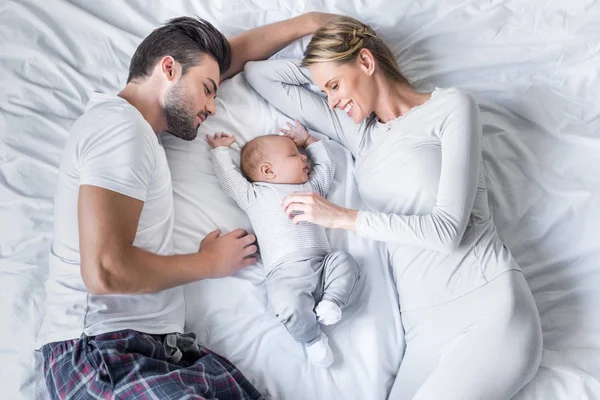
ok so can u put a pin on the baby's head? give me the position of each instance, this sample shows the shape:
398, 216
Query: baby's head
274, 159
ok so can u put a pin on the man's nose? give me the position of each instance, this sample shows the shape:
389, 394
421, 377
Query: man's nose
211, 109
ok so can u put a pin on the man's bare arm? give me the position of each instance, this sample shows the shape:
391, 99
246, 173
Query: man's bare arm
110, 263
262, 42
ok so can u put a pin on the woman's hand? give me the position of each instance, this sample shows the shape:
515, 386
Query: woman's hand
317, 210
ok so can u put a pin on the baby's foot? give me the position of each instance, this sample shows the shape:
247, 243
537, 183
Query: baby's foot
328, 313
319, 353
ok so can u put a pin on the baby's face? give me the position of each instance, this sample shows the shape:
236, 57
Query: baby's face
288, 164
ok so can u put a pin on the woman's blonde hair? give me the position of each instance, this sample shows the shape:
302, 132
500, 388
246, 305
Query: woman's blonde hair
341, 40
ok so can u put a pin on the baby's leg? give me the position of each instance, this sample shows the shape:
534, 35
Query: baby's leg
290, 289
341, 273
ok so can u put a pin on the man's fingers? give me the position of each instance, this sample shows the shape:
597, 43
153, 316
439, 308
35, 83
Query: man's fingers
250, 250
248, 239
238, 233
214, 234
248, 262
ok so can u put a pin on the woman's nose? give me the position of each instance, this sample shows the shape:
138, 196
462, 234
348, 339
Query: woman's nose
332, 102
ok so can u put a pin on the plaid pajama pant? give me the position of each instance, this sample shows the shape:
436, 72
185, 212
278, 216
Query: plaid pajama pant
133, 365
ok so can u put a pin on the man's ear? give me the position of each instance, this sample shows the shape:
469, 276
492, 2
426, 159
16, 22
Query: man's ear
266, 169
366, 61
170, 68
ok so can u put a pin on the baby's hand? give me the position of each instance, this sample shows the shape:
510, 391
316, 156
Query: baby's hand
297, 133
220, 140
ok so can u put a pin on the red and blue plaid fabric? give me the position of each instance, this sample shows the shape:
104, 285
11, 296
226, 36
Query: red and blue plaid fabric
133, 365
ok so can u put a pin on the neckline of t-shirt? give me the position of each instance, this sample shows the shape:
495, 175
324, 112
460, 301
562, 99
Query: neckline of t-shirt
436, 91
101, 96
127, 106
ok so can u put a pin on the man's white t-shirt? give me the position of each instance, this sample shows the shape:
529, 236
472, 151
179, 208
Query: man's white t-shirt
113, 147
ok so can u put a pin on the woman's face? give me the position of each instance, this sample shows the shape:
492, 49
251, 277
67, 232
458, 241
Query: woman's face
349, 87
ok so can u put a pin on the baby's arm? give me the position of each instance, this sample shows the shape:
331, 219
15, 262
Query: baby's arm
232, 181
321, 176
323, 170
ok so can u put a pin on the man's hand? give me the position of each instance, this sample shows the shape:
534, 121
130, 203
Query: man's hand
220, 140
228, 253
298, 134
319, 19
262, 42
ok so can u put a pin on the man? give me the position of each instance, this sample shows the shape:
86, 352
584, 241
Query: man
115, 308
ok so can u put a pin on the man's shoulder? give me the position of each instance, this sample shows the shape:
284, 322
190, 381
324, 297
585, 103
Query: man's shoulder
113, 112
112, 120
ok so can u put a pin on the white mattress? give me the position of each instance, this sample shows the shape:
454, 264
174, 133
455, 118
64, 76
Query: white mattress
533, 66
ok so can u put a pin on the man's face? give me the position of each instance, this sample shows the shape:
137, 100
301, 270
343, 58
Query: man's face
191, 99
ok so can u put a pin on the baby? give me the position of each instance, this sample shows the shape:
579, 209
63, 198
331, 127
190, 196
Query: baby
300, 267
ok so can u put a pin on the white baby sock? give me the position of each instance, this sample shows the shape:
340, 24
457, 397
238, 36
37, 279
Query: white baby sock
328, 313
319, 353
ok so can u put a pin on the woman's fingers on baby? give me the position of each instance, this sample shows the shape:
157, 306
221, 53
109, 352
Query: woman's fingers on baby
302, 218
294, 197
297, 207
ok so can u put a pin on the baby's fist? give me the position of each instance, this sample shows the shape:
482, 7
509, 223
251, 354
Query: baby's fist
220, 140
297, 133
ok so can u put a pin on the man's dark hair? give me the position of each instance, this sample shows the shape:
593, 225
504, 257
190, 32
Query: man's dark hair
185, 39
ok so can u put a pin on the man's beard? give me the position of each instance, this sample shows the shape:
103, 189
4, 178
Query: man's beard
180, 120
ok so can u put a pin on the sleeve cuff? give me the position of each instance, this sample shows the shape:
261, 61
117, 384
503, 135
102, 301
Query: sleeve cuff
362, 223
220, 149
318, 142
134, 192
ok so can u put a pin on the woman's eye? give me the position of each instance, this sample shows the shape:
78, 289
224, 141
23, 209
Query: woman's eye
206, 91
334, 87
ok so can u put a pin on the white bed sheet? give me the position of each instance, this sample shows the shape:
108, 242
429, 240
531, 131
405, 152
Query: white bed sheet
534, 67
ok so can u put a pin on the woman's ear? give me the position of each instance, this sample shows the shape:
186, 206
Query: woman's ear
366, 61
266, 170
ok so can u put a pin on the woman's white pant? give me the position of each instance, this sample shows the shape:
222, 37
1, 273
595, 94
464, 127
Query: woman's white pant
485, 345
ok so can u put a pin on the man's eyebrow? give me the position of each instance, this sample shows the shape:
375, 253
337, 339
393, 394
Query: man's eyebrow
214, 85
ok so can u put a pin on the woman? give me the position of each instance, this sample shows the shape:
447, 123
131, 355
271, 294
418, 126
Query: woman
471, 325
